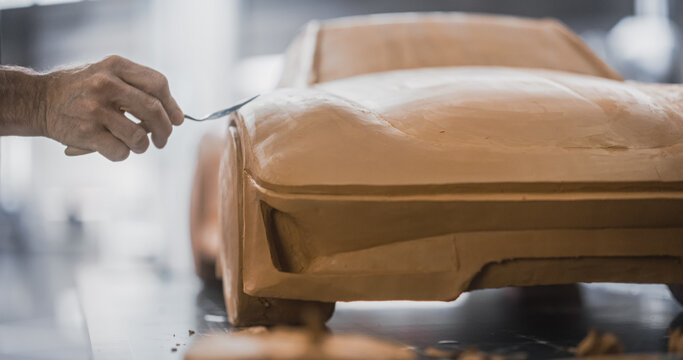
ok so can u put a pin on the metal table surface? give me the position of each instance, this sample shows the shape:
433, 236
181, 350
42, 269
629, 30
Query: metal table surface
53, 308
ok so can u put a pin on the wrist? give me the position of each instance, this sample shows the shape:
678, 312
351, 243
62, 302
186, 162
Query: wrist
38, 118
23, 102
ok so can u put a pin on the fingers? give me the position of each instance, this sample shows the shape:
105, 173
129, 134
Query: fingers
149, 81
76, 151
130, 133
109, 146
103, 142
111, 124
149, 110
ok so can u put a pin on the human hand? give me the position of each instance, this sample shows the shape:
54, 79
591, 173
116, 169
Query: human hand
85, 108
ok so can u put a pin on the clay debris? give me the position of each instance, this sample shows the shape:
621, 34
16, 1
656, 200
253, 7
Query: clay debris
290, 343
598, 343
295, 343
676, 341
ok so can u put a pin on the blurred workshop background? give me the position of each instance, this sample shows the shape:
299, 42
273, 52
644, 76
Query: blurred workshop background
58, 212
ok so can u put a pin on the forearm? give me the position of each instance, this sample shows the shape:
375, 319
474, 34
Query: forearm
22, 102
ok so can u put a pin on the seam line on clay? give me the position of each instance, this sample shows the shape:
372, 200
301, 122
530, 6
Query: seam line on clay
674, 189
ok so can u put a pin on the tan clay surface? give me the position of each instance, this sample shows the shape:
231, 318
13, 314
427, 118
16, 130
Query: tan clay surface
293, 344
450, 170
336, 49
465, 125
243, 309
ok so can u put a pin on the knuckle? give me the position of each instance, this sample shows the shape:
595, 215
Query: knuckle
161, 82
153, 104
138, 136
164, 127
112, 60
86, 127
139, 141
91, 109
162, 79
101, 83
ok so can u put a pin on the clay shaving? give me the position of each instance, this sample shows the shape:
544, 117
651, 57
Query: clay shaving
676, 342
597, 343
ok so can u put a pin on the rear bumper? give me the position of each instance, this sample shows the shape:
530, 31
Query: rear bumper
435, 246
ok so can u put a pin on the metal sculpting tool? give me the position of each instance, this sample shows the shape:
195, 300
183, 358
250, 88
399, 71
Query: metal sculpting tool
221, 113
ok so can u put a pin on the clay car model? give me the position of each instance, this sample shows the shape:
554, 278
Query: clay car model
419, 156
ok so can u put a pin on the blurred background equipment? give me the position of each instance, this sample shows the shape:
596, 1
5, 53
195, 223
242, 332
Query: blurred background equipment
647, 45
